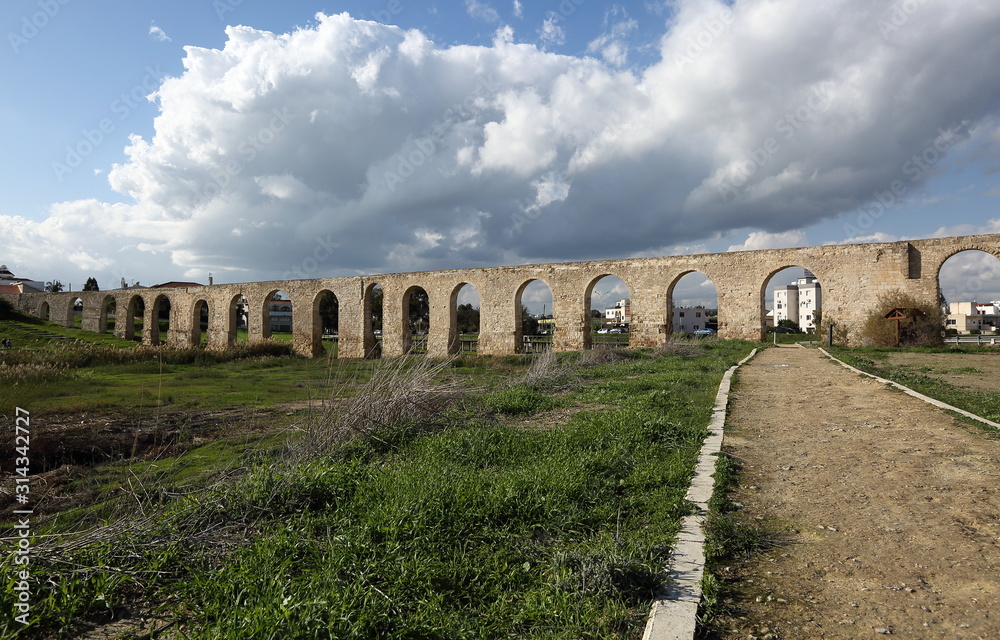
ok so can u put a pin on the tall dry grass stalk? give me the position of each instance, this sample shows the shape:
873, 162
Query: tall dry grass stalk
402, 392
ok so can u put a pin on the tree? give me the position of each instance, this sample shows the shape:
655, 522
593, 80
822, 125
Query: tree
529, 325
377, 308
596, 313
467, 318
54, 287
419, 310
329, 312
91, 285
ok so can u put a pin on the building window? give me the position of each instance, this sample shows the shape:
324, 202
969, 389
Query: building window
697, 314
682, 314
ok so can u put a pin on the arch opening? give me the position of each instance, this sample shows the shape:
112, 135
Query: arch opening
533, 304
372, 314
200, 323
44, 312
792, 304
969, 294
109, 317
608, 302
693, 306
135, 319
75, 318
416, 320
237, 317
326, 323
161, 320
277, 314
465, 319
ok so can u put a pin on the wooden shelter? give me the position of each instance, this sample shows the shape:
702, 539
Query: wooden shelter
900, 313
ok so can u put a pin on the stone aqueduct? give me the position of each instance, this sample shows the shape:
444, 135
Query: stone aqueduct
852, 277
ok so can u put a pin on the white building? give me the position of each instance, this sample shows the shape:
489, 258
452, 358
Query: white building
621, 313
281, 315
799, 301
691, 319
966, 317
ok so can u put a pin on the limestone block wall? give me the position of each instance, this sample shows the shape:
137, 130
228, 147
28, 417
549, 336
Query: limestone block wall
852, 278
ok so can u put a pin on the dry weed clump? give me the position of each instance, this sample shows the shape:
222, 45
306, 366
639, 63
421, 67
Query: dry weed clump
13, 375
401, 392
595, 357
682, 347
544, 366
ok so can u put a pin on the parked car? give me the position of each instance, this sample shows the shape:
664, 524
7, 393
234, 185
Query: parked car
704, 332
782, 330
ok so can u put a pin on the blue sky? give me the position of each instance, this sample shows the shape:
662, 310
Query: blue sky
536, 131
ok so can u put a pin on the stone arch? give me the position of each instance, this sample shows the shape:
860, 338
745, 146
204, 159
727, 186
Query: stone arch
135, 318
521, 344
201, 321
273, 314
962, 248
808, 302
76, 309
160, 320
968, 289
44, 312
677, 314
326, 321
237, 319
372, 311
625, 315
109, 314
416, 323
467, 325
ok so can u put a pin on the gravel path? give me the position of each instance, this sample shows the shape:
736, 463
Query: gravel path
890, 507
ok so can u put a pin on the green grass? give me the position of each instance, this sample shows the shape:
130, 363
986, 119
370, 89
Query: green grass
476, 527
875, 361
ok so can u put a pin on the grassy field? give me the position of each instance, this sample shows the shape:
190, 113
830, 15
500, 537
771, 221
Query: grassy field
531, 497
962, 377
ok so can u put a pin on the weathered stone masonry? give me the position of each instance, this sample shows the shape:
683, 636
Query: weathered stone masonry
852, 277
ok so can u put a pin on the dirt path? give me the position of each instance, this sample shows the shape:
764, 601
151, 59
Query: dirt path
891, 508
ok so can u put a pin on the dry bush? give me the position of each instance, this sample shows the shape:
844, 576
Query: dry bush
922, 331
604, 355
401, 392
544, 366
682, 346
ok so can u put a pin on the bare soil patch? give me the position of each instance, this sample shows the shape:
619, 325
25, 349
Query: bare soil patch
67, 446
889, 509
976, 371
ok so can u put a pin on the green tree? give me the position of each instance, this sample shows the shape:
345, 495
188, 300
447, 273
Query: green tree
419, 310
377, 299
329, 312
91, 284
529, 325
54, 287
467, 318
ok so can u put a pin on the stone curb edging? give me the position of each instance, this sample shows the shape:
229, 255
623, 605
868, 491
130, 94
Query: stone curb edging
674, 615
911, 392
